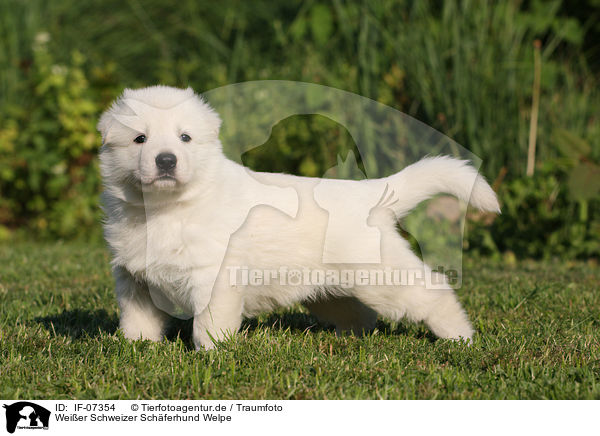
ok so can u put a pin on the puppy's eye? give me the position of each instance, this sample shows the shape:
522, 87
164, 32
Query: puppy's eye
140, 139
185, 138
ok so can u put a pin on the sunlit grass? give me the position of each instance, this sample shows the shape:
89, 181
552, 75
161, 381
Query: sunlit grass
537, 336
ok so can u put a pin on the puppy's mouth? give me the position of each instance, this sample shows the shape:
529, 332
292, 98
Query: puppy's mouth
162, 181
165, 177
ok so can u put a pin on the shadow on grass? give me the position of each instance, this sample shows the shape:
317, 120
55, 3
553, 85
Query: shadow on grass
295, 322
77, 323
182, 329
299, 323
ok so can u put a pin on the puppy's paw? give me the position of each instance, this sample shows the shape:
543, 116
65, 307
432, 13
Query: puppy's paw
134, 333
463, 333
205, 347
457, 329
204, 340
467, 340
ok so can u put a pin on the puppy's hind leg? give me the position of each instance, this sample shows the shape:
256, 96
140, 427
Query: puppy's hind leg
439, 308
140, 318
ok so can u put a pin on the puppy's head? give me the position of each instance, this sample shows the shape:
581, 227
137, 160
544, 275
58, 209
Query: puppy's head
157, 138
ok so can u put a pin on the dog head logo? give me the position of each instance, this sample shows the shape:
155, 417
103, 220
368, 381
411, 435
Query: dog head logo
26, 415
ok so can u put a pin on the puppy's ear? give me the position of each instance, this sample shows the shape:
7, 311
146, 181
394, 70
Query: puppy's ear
106, 123
211, 117
104, 126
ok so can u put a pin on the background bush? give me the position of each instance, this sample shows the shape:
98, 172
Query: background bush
465, 68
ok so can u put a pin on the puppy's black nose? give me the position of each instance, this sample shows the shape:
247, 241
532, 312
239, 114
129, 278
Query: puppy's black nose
166, 161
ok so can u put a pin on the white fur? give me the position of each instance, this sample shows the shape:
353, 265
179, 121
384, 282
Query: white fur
176, 238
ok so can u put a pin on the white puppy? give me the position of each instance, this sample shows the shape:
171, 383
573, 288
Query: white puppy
189, 228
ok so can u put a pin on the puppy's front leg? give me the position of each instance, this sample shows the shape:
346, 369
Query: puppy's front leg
140, 318
221, 318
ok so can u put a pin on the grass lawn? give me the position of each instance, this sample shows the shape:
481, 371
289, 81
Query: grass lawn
538, 336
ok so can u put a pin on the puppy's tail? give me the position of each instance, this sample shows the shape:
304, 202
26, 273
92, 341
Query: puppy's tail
436, 175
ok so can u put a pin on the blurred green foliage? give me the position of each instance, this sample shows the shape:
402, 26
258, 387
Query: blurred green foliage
465, 68
539, 219
548, 214
49, 177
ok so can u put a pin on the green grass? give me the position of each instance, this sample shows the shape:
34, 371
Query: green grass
537, 337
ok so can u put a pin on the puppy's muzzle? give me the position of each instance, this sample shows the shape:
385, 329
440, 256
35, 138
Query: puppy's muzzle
166, 162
